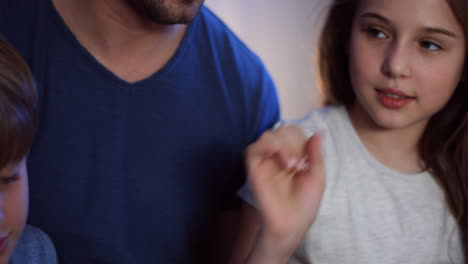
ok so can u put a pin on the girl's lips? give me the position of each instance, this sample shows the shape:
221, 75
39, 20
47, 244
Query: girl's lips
3, 245
393, 91
392, 98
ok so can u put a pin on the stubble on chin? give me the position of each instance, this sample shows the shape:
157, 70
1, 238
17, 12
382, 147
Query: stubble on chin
167, 13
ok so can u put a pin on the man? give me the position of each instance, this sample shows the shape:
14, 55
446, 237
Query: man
146, 107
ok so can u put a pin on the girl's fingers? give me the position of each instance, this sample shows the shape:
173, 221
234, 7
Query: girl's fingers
315, 154
315, 170
285, 145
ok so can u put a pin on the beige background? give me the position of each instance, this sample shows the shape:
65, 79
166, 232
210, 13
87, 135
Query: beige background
283, 33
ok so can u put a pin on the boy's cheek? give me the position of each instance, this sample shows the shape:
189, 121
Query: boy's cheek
14, 214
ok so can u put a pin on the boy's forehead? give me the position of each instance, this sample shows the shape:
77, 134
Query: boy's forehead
11, 168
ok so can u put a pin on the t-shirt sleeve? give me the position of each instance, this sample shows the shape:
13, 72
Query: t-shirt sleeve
265, 117
268, 109
34, 247
47, 251
260, 111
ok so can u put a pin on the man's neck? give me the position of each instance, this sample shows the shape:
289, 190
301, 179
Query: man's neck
127, 44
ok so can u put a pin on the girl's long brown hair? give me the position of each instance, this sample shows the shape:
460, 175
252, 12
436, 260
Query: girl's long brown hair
18, 101
444, 147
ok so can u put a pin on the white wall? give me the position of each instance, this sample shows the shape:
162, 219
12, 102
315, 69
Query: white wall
283, 34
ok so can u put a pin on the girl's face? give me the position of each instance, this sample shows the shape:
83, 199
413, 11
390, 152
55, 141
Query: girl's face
406, 59
13, 207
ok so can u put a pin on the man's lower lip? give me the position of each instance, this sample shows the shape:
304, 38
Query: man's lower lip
3, 245
391, 102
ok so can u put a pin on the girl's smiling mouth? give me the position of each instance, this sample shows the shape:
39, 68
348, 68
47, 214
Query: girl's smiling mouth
393, 98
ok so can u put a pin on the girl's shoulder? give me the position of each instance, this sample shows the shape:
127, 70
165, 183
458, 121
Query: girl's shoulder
34, 247
321, 119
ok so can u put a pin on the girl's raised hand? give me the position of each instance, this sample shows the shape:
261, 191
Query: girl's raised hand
285, 172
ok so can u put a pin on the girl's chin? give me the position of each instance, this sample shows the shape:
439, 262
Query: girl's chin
397, 122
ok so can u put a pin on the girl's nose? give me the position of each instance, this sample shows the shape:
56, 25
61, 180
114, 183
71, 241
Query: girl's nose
397, 62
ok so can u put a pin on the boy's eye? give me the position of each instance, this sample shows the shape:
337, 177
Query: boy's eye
429, 45
10, 179
377, 33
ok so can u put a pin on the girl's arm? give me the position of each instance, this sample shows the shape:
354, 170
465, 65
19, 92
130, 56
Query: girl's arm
249, 227
251, 246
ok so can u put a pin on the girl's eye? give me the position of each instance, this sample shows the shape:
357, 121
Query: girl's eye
376, 33
429, 45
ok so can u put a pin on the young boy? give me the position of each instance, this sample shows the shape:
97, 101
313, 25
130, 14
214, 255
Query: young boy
19, 244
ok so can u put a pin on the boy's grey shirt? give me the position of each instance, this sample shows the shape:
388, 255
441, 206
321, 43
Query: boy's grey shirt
34, 247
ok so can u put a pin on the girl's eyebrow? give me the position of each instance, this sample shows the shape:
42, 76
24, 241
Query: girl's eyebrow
376, 16
427, 29
440, 31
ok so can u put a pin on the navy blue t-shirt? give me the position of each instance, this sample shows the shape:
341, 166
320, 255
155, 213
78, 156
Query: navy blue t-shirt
128, 173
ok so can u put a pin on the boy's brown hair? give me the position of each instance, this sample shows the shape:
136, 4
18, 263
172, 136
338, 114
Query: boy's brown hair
18, 103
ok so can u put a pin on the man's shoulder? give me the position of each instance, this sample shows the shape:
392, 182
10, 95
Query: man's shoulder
19, 22
19, 9
212, 22
222, 37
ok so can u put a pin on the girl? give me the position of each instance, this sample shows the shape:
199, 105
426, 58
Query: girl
394, 144
19, 244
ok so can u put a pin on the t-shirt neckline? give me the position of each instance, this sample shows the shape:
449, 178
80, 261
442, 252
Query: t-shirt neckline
357, 143
173, 61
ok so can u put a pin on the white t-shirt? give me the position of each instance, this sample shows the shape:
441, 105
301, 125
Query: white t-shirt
370, 213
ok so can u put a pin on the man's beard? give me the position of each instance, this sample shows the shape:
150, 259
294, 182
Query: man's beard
164, 12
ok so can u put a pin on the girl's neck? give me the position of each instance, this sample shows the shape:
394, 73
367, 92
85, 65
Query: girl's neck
395, 148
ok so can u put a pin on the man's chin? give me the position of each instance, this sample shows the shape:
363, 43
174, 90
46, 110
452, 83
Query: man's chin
183, 19
168, 12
